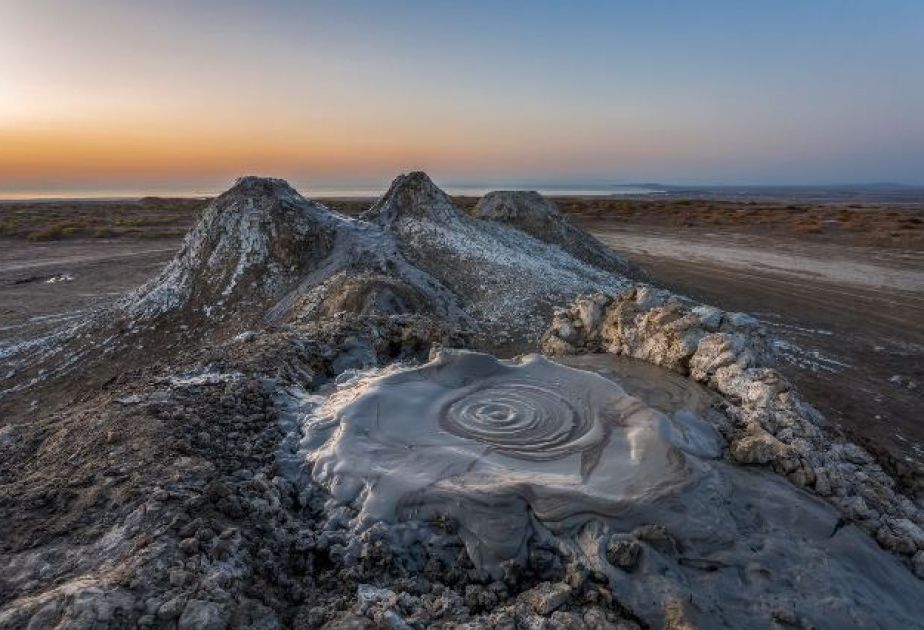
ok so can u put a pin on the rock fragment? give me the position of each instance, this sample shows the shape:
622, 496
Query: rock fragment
547, 597
203, 615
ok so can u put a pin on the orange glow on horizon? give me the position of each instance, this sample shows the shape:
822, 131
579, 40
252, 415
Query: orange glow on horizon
111, 95
33, 155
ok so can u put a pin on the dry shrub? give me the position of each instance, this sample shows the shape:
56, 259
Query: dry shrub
809, 226
47, 233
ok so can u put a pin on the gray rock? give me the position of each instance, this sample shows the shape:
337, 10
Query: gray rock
561, 620
547, 597
203, 615
394, 621
172, 608
252, 615
623, 553
368, 596
189, 545
906, 528
178, 577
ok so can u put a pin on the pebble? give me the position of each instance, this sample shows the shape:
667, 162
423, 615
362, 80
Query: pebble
203, 615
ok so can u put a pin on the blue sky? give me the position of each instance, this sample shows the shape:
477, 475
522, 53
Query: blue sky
689, 92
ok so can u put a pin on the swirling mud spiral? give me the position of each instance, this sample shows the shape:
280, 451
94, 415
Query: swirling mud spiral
522, 419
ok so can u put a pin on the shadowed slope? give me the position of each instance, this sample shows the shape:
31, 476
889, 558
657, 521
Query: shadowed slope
508, 279
532, 213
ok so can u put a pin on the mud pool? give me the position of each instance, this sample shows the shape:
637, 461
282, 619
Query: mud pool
529, 450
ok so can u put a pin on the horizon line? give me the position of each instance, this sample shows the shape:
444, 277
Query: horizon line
577, 189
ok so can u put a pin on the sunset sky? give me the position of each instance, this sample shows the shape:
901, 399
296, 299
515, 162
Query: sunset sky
166, 95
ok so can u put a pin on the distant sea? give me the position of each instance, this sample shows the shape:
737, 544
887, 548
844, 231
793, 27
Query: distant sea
321, 192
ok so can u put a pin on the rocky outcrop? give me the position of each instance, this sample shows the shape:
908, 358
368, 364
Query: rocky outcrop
530, 212
772, 425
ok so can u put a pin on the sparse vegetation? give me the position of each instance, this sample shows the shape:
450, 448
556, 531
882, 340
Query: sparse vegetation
884, 226
153, 218
49, 221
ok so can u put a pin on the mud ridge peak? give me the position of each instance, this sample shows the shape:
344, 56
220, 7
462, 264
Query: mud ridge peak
251, 242
413, 195
258, 185
515, 205
533, 214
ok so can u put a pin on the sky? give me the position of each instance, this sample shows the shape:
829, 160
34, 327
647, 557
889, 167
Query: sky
168, 95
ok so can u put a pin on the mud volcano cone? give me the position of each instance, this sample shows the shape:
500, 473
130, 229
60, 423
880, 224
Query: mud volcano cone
530, 212
413, 196
251, 244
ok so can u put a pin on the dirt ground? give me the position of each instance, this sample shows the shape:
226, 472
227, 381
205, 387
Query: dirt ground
841, 284
887, 226
45, 283
852, 317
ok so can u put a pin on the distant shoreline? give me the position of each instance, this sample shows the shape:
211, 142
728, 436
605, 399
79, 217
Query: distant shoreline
873, 193
328, 193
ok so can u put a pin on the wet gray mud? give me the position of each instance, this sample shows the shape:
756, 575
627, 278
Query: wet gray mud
528, 451
489, 444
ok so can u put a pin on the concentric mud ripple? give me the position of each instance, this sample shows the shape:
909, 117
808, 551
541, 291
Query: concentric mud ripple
523, 419
494, 445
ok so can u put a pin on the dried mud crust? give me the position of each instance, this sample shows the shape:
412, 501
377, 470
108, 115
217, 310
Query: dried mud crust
163, 502
143, 463
772, 425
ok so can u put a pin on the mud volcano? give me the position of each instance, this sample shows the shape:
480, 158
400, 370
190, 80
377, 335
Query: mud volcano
297, 424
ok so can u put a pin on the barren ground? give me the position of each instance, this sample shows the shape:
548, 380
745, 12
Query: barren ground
854, 316
843, 284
